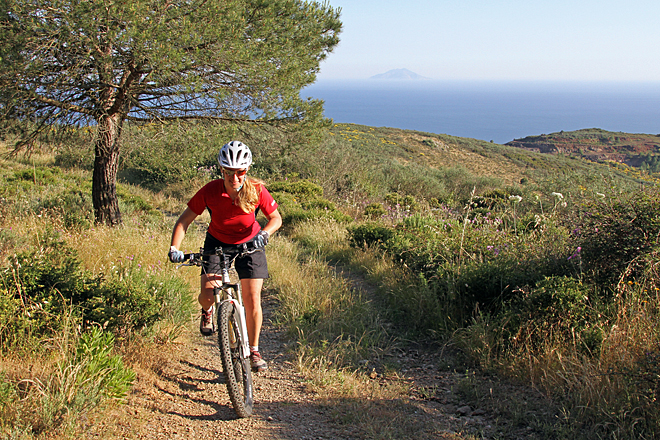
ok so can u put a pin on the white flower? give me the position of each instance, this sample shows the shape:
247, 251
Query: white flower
600, 195
538, 219
558, 195
515, 199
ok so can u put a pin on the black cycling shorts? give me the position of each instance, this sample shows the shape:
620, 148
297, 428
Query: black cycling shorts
252, 265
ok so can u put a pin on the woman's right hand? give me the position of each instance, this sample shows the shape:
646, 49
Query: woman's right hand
175, 255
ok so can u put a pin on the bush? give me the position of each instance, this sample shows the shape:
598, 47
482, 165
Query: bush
470, 263
495, 199
614, 238
131, 300
297, 214
300, 188
374, 210
101, 369
40, 288
556, 305
301, 200
39, 175
73, 207
85, 373
369, 234
74, 156
154, 156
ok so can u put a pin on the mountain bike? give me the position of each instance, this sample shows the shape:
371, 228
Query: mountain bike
232, 329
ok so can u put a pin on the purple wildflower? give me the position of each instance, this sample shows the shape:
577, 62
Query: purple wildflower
576, 253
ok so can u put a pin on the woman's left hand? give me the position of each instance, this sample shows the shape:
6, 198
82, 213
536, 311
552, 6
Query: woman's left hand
261, 239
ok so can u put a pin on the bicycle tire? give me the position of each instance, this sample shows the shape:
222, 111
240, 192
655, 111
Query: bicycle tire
237, 370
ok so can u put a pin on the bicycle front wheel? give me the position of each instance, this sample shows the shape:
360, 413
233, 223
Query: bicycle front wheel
238, 373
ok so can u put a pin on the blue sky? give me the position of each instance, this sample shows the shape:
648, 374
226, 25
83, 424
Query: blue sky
547, 40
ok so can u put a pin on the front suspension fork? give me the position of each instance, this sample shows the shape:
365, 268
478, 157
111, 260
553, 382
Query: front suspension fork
244, 349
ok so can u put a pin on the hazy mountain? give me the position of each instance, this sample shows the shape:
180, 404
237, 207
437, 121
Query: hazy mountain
399, 74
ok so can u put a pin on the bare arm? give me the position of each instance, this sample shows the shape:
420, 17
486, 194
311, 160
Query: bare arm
181, 226
274, 222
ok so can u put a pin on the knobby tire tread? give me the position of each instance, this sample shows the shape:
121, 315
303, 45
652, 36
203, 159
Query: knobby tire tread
239, 388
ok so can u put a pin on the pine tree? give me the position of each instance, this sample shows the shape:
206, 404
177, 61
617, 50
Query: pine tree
101, 62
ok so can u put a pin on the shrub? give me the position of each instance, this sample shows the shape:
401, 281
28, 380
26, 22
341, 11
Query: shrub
298, 214
39, 175
40, 286
131, 299
470, 263
74, 156
155, 157
101, 368
394, 199
410, 203
374, 210
369, 234
301, 188
557, 305
301, 200
84, 373
132, 203
73, 207
318, 203
495, 199
615, 237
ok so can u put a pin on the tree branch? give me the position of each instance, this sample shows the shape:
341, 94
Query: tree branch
62, 105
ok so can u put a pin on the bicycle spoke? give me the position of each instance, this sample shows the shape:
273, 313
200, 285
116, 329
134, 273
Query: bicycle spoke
239, 379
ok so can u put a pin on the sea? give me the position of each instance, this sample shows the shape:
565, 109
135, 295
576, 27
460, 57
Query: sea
492, 111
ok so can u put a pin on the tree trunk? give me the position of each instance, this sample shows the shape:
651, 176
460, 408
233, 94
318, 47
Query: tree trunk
106, 161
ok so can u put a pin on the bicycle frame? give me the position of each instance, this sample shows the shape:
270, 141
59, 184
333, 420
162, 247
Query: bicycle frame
223, 294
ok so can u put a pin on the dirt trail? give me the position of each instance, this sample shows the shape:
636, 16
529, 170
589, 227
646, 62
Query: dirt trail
187, 399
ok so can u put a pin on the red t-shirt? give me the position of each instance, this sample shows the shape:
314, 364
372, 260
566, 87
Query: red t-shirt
229, 223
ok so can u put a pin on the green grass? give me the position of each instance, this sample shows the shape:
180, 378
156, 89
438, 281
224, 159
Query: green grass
443, 250
74, 296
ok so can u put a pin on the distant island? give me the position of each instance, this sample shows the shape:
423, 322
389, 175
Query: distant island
399, 74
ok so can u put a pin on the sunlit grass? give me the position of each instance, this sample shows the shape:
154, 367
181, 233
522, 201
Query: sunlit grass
338, 331
46, 386
329, 316
341, 323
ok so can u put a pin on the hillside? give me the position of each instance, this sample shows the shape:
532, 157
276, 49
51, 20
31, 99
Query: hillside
596, 145
393, 241
480, 163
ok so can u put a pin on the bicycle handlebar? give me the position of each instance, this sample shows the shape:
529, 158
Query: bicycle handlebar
195, 258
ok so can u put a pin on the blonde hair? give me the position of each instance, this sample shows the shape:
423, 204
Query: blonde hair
248, 196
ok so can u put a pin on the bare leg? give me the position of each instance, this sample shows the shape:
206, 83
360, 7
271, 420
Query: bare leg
252, 301
208, 282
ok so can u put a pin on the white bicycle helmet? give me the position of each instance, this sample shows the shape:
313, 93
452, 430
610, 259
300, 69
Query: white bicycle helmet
235, 155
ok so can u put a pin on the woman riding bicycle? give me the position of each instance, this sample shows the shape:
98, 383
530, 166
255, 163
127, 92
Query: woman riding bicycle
233, 203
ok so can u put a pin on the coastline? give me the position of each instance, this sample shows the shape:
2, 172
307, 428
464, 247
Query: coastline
500, 111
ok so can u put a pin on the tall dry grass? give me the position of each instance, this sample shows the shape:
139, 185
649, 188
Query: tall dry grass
333, 319
617, 388
51, 384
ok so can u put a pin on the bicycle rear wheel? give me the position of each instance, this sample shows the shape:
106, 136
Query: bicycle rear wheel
238, 373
